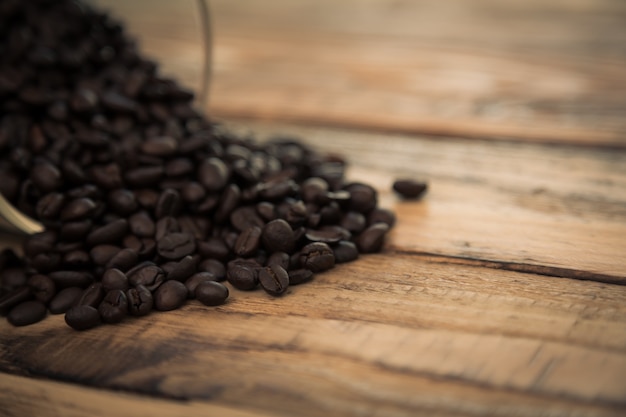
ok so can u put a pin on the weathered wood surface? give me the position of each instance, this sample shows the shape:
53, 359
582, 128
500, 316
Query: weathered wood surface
500, 293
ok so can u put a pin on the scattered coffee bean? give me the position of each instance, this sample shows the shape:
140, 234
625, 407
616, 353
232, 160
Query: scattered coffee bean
274, 279
372, 238
42, 287
211, 293
82, 317
300, 276
176, 246
277, 236
114, 306
26, 313
345, 251
196, 279
114, 279
170, 296
409, 189
140, 300
317, 257
65, 299
243, 277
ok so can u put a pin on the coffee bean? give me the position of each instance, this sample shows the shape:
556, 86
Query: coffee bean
354, 222
214, 267
109, 233
140, 300
65, 299
245, 217
178, 167
181, 270
123, 202
278, 258
141, 224
196, 279
63, 279
169, 204
82, 317
314, 190
363, 198
211, 293
380, 215
277, 236
324, 235
300, 276
228, 202
117, 102
192, 192
372, 238
409, 189
123, 260
114, 279
114, 306
170, 296
166, 226
77, 230
144, 176
46, 176
42, 287
243, 277
26, 313
317, 257
92, 295
14, 297
49, 206
160, 146
345, 251
102, 254
274, 279
248, 242
46, 262
76, 259
84, 100
146, 274
176, 246
78, 209
213, 174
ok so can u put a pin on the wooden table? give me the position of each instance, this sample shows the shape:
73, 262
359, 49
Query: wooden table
501, 292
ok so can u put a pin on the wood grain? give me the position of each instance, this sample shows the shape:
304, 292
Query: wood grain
391, 333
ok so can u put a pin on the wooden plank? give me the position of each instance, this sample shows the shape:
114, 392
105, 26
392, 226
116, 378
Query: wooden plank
387, 335
552, 210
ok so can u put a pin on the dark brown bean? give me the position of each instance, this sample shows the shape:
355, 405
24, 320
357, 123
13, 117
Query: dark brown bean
211, 293
109, 233
140, 300
372, 239
409, 189
300, 276
114, 306
114, 279
14, 297
82, 317
196, 279
42, 287
176, 246
274, 279
170, 296
65, 299
317, 257
277, 236
26, 313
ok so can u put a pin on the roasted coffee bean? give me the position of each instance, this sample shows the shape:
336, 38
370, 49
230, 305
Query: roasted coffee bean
213, 174
181, 270
324, 235
274, 279
42, 287
211, 293
277, 190
214, 267
248, 242
380, 215
109, 233
49, 206
76, 259
178, 167
26, 313
169, 204
14, 297
140, 300
266, 210
372, 238
12, 277
92, 295
78, 209
166, 226
73, 231
84, 100
363, 198
102, 254
314, 190
147, 198
243, 277
146, 274
245, 217
354, 222
123, 260
46, 176
300, 276
277, 236
65, 299
196, 279
108, 176
196, 226
317, 257
39, 243
345, 251
63, 279
117, 102
278, 258
82, 317
114, 306
46, 262
123, 202
144, 176
192, 192
160, 146
228, 202
409, 189
142, 225
176, 246
170, 296
114, 279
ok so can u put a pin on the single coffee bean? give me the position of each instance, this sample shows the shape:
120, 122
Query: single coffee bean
176, 246
197, 226
345, 251
247, 243
14, 297
409, 189
331, 235
144, 176
77, 230
178, 167
192, 192
84, 100
140, 300
380, 215
46, 262
181, 270
160, 146
228, 202
314, 190
170, 296
354, 222
107, 176
363, 198
49, 206
92, 295
46, 176
274, 279
141, 224
196, 279
277, 236
109, 233
166, 226
42, 287
214, 267
117, 102
63, 279
169, 204
317, 257
266, 210
213, 174
243, 277
144, 247
78, 209
39, 243
26, 313
245, 217
76, 259
82, 317
65, 299
278, 258
114, 306
123, 202
211, 293
146, 274
114, 279
371, 239
102, 254
300, 276
123, 260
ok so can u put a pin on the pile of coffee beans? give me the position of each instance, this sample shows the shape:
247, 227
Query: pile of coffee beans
145, 202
